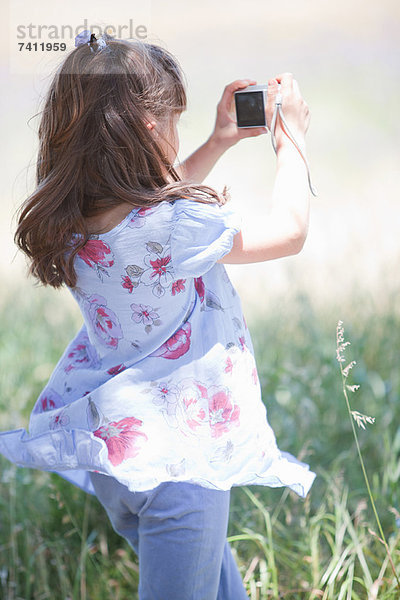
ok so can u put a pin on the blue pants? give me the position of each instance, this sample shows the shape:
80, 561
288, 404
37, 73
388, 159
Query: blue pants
178, 531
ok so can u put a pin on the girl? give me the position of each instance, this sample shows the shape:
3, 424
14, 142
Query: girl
155, 405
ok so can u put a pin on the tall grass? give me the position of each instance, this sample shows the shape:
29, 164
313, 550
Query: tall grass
56, 542
362, 421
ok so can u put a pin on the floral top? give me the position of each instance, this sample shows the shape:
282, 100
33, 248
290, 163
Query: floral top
160, 383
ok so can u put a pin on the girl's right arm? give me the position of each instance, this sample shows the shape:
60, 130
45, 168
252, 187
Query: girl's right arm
286, 225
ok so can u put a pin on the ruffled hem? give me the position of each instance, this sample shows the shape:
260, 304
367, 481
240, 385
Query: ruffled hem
72, 454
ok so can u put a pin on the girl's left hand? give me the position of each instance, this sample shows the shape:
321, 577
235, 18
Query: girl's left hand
226, 132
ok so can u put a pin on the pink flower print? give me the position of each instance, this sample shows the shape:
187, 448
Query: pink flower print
121, 438
177, 345
178, 286
60, 420
159, 272
117, 369
195, 414
48, 400
254, 376
160, 266
200, 287
203, 390
105, 322
82, 355
229, 365
132, 278
165, 395
97, 255
79, 355
207, 410
242, 342
145, 314
194, 405
222, 413
140, 217
127, 283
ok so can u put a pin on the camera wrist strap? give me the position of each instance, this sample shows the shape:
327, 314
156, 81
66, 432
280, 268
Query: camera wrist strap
286, 130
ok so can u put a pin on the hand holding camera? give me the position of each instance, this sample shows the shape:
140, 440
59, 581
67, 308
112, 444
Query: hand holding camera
279, 106
226, 132
249, 110
246, 109
255, 106
295, 109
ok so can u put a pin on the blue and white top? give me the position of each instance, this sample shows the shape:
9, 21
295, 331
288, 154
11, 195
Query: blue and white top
160, 383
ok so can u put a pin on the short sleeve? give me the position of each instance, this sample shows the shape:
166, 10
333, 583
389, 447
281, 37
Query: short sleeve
202, 234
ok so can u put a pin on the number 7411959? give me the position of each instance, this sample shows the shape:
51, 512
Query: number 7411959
42, 46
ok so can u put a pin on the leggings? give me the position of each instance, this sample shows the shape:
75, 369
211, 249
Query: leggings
178, 531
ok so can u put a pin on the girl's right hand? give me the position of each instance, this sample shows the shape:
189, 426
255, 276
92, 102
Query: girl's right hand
294, 108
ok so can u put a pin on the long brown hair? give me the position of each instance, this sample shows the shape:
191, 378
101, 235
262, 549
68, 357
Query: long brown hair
96, 152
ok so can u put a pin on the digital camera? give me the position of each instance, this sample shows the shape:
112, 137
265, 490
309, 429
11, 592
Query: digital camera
250, 103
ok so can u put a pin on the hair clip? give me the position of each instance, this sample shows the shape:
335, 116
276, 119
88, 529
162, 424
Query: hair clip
85, 37
101, 42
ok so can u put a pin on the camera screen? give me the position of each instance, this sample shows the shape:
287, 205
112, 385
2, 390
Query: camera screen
250, 109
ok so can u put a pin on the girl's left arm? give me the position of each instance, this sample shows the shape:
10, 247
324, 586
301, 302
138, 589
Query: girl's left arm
226, 133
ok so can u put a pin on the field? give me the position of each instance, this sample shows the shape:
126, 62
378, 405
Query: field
56, 542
